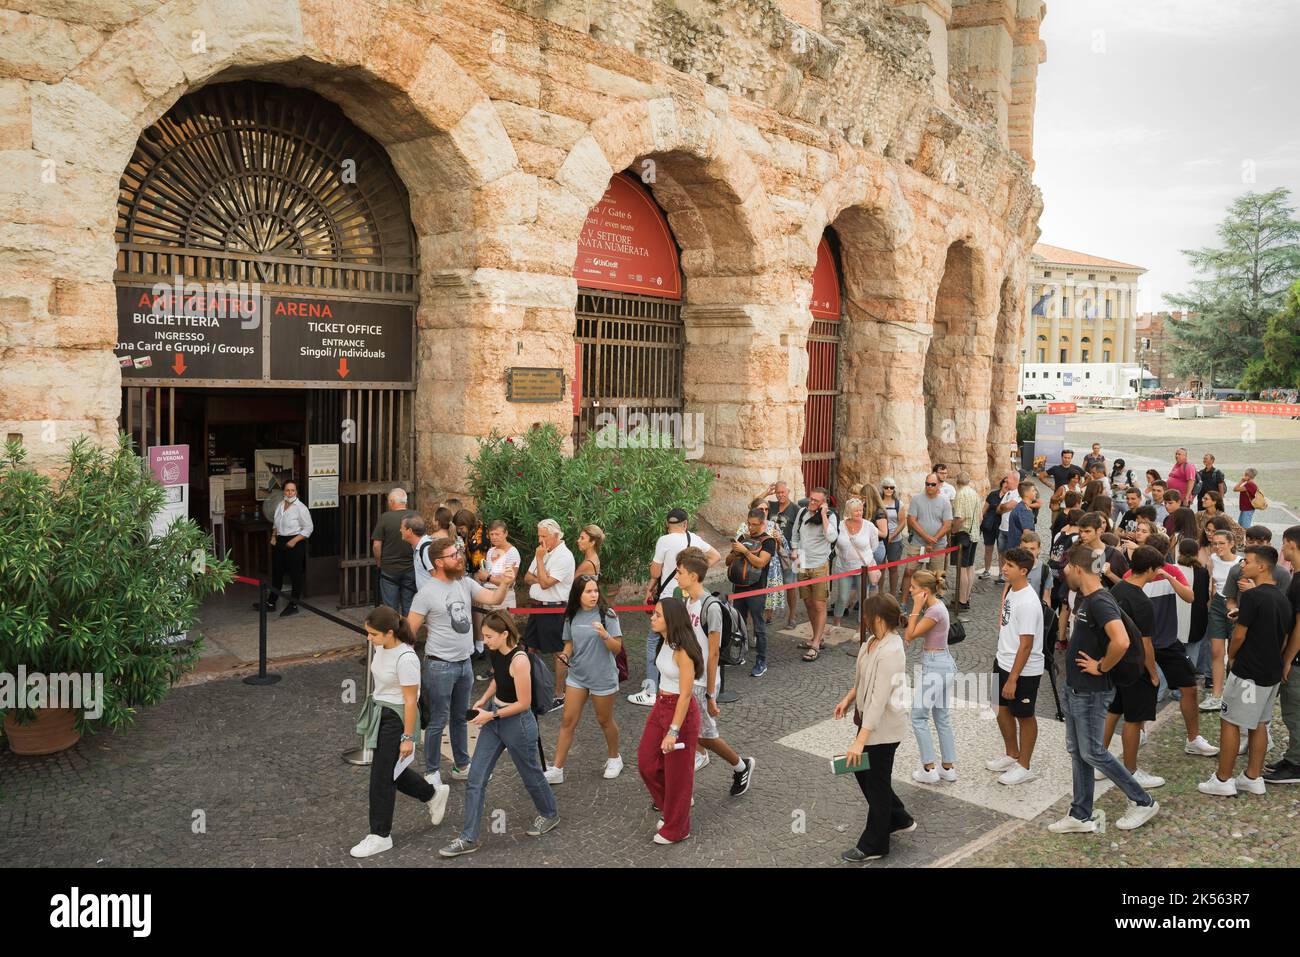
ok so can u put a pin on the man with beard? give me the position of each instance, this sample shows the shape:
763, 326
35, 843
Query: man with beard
443, 605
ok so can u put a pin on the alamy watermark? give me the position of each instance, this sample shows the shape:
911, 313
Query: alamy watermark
79, 691
621, 429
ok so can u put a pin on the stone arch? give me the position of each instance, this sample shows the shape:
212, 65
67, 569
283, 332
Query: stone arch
737, 312
958, 364
1005, 381
383, 67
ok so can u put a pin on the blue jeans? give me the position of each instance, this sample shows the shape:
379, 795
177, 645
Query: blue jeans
1246, 518
934, 693
1085, 721
1202, 659
398, 594
754, 606
518, 735
448, 683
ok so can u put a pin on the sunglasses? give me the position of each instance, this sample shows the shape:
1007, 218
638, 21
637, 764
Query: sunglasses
887, 488
931, 484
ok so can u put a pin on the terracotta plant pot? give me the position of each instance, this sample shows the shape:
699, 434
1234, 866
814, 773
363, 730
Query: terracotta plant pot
54, 730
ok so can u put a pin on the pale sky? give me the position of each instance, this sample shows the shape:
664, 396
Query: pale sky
1152, 114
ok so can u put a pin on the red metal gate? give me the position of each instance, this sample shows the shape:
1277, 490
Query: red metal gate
819, 433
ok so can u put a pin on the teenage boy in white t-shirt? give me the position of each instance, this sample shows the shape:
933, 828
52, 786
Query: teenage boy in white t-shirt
1019, 668
692, 566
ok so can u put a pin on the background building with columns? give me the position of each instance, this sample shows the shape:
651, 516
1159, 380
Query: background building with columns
809, 223
1080, 308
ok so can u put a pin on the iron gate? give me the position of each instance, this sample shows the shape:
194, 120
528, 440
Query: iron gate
818, 447
629, 353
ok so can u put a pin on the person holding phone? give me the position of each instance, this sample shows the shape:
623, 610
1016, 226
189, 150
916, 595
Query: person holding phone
505, 721
388, 724
666, 755
929, 621
1221, 617
881, 722
592, 637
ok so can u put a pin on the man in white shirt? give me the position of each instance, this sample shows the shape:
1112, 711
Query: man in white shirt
415, 532
1019, 667
663, 581
946, 488
291, 527
550, 577
1010, 499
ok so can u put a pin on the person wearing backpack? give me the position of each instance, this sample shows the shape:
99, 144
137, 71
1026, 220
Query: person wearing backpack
1247, 494
592, 638
1102, 650
387, 723
506, 721
706, 614
748, 563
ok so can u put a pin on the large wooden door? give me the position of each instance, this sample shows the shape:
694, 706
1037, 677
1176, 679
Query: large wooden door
819, 446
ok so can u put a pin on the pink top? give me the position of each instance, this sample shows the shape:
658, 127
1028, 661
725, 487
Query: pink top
1181, 478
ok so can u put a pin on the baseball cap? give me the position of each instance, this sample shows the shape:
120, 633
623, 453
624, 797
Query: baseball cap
677, 516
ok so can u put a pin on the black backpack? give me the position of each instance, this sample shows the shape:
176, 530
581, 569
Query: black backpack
740, 571
731, 649
543, 682
1050, 619
1132, 667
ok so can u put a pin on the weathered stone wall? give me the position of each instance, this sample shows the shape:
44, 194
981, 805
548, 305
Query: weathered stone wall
766, 123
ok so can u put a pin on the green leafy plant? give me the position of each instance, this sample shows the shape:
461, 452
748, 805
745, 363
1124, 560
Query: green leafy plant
625, 490
84, 585
1026, 424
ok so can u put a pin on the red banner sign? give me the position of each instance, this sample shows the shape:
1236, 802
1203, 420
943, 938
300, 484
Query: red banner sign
1061, 408
826, 284
626, 245
1151, 405
1261, 408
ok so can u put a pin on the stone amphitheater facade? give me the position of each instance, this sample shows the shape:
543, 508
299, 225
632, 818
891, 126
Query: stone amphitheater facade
904, 126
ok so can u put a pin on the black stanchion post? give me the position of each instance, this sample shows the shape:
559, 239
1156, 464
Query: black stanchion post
261, 678
862, 600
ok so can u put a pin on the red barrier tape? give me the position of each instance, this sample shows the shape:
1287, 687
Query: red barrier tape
857, 572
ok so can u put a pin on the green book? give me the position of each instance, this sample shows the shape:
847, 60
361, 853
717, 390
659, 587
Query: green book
838, 765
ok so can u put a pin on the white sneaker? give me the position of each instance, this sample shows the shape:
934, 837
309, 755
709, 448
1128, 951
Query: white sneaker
1214, 786
985, 574
701, 760
1253, 785
1199, 745
1097, 775
1147, 780
438, 803
1211, 703
947, 774
1136, 815
613, 767
646, 698
1003, 763
922, 776
1018, 774
554, 775
372, 844
1072, 825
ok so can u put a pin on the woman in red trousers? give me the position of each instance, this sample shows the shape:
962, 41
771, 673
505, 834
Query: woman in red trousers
666, 755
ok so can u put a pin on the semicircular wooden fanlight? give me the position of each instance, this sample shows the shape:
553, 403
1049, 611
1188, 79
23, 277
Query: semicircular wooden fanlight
268, 171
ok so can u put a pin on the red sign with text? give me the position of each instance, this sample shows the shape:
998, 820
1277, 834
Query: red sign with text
1061, 408
1151, 405
826, 284
626, 245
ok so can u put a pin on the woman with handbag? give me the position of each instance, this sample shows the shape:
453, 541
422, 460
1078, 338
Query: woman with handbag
854, 549
896, 523
592, 639
775, 600
1249, 498
929, 621
879, 717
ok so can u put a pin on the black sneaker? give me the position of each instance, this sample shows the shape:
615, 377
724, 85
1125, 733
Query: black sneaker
963, 606
1284, 772
741, 780
855, 856
289, 610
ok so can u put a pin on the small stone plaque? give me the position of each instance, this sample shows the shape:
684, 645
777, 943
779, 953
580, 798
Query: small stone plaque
534, 385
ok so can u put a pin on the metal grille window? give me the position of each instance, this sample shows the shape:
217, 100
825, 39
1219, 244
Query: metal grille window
818, 447
629, 354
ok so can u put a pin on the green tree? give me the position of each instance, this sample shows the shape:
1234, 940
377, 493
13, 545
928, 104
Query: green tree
1279, 366
1241, 285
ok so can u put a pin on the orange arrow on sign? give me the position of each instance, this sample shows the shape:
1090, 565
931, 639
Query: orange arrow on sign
179, 365
343, 368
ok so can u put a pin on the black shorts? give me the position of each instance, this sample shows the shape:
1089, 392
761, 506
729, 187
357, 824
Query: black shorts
990, 535
1173, 661
1022, 703
966, 555
545, 633
1136, 702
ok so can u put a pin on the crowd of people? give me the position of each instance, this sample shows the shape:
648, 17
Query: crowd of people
1136, 588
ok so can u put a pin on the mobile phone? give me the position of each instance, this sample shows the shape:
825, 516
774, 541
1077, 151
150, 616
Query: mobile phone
471, 714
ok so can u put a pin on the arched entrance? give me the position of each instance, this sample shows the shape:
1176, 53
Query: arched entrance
267, 282
954, 360
629, 337
819, 449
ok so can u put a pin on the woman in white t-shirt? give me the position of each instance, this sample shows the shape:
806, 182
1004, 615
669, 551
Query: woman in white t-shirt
388, 723
1218, 625
854, 548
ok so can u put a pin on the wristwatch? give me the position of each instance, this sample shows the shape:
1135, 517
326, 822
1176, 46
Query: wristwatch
674, 730
408, 737
711, 696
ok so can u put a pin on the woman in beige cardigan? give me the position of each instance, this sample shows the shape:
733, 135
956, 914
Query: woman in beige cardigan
879, 707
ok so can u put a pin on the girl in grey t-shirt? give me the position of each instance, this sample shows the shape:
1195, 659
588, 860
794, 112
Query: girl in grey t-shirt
592, 637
